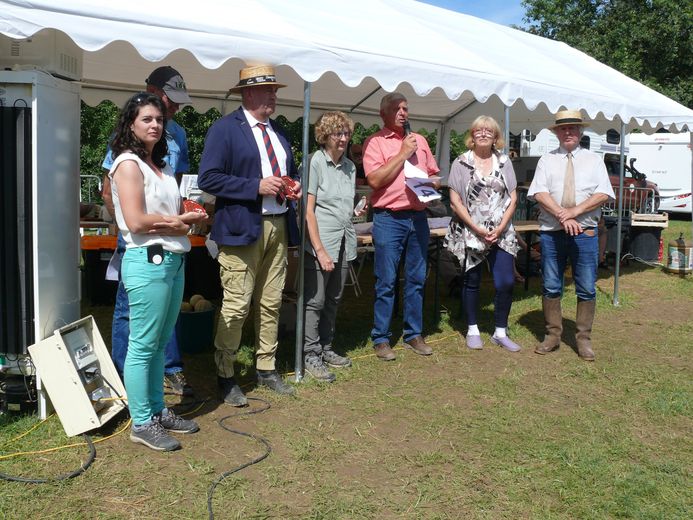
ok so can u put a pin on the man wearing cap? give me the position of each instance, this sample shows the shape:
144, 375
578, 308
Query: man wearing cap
400, 226
167, 83
570, 184
245, 157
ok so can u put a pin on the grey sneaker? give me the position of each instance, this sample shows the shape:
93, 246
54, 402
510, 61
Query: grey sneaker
316, 368
176, 424
176, 384
334, 360
153, 436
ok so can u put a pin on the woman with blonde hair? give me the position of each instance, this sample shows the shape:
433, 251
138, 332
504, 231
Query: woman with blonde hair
482, 195
332, 241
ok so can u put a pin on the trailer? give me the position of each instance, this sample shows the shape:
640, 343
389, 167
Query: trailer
666, 160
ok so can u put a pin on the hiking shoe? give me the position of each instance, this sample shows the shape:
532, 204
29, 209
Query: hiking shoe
418, 345
176, 384
272, 380
384, 351
174, 423
334, 360
153, 436
231, 393
317, 369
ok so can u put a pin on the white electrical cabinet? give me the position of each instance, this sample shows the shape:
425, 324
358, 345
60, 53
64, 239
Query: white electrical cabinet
77, 372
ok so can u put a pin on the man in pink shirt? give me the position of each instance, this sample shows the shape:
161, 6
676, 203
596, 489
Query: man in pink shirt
399, 224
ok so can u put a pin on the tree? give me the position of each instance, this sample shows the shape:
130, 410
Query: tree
647, 40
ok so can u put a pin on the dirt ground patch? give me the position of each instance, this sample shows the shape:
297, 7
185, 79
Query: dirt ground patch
461, 434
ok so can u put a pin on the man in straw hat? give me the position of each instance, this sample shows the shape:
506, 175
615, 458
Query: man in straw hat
570, 184
245, 156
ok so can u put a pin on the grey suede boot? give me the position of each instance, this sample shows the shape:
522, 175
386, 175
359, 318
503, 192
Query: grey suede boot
583, 326
554, 325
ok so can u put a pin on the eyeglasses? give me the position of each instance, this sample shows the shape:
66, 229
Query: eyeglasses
141, 97
339, 135
484, 131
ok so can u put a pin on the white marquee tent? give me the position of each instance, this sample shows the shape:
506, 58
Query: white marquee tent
451, 66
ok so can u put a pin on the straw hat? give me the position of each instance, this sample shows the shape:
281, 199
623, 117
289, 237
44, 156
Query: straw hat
255, 76
568, 117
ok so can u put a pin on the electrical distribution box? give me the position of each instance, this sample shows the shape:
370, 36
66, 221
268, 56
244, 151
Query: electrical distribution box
79, 376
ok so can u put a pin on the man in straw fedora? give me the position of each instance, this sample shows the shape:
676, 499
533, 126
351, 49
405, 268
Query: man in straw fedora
245, 156
570, 184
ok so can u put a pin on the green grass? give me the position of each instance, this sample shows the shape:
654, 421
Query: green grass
462, 434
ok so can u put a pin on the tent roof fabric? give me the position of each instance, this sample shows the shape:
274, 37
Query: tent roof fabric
451, 66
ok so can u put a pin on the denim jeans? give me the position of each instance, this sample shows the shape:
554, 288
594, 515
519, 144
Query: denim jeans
394, 233
501, 265
155, 293
582, 250
120, 330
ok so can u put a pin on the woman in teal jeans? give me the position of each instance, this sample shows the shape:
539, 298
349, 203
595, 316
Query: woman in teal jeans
150, 216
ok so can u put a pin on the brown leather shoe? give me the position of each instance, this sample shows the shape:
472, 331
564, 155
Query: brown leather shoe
384, 351
418, 345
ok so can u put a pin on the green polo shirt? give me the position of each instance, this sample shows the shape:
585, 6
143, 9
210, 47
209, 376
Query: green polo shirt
333, 186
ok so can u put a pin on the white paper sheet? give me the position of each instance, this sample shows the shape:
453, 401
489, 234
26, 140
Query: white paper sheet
418, 181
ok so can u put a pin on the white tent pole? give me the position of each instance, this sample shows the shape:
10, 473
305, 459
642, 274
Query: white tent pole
506, 131
620, 212
305, 173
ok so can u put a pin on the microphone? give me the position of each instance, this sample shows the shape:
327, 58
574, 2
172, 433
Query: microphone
407, 128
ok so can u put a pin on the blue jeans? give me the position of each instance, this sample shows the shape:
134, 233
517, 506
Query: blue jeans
154, 292
120, 330
582, 250
394, 233
501, 264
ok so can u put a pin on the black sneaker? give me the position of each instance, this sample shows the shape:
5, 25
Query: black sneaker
154, 436
176, 384
174, 423
230, 392
272, 380
334, 360
317, 369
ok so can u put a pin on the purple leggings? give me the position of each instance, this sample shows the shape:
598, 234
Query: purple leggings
501, 264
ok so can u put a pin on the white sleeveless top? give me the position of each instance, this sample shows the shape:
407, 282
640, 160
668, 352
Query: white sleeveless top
161, 197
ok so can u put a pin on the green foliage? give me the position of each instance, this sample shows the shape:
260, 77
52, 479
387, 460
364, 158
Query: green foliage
97, 123
196, 125
648, 40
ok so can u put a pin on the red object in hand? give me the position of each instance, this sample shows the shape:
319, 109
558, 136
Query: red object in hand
191, 205
288, 191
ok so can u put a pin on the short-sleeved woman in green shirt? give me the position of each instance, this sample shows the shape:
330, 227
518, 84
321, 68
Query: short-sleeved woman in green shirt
332, 241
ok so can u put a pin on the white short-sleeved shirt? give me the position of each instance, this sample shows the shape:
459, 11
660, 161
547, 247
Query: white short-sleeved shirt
161, 197
590, 177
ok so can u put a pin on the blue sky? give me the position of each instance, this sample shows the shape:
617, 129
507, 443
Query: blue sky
504, 12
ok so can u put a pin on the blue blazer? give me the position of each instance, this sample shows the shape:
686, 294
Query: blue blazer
230, 169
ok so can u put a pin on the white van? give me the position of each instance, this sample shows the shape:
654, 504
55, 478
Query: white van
666, 160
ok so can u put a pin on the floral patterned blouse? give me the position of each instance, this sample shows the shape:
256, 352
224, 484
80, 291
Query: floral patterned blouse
486, 197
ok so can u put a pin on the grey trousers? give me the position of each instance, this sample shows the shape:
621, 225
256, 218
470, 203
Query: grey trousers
323, 292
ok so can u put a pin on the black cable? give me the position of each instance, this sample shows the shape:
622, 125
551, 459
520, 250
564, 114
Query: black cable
77, 472
258, 438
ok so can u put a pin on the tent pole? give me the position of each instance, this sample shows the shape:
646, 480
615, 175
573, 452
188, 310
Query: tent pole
305, 172
506, 131
620, 212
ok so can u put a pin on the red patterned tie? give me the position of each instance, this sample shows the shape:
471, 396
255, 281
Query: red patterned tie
270, 150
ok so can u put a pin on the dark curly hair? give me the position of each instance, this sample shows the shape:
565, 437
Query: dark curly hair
125, 140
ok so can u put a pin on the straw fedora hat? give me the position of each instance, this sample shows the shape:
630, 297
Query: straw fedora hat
255, 76
568, 117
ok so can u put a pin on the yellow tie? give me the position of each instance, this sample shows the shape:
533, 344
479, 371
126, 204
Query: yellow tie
568, 200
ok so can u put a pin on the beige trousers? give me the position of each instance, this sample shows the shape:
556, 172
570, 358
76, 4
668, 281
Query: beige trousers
253, 273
